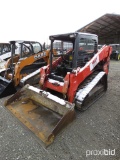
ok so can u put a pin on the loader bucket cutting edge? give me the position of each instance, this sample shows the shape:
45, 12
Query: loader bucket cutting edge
42, 115
6, 87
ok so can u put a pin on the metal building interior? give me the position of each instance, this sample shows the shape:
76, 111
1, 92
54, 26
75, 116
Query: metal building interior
107, 27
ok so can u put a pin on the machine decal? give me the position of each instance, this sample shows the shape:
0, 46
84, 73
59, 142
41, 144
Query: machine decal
40, 55
94, 62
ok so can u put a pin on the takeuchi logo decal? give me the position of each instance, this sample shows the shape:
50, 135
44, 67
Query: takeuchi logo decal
94, 62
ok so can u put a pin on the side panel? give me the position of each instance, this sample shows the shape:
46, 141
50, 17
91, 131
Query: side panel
79, 76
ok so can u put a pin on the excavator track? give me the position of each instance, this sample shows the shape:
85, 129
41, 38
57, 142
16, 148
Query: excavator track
91, 90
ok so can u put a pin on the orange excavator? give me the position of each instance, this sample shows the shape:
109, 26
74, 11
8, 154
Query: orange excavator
74, 80
30, 58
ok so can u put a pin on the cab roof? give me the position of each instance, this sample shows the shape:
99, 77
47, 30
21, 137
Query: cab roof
68, 36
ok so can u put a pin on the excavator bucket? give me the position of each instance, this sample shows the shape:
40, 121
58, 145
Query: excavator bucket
6, 87
43, 113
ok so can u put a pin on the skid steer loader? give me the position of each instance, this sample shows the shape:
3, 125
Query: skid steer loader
5, 51
5, 54
14, 74
75, 80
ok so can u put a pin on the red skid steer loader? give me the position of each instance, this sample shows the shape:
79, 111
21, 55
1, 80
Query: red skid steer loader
74, 80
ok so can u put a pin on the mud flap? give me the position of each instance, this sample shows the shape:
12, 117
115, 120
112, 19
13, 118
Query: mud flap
6, 87
43, 113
